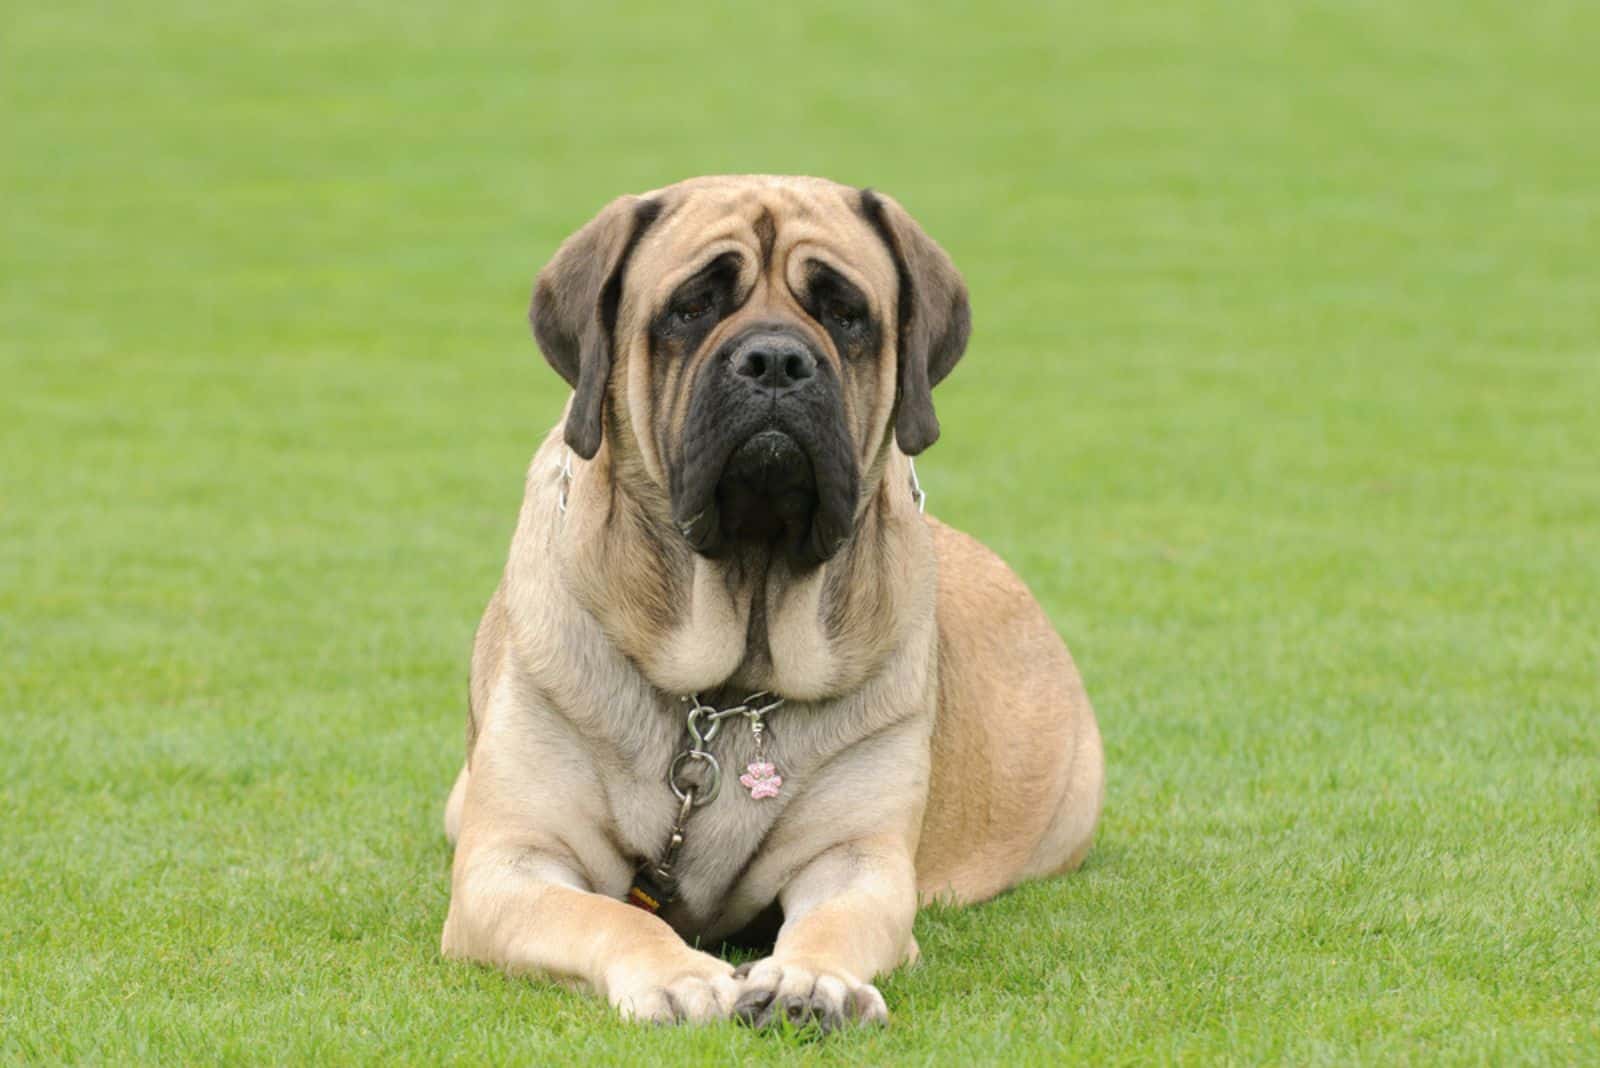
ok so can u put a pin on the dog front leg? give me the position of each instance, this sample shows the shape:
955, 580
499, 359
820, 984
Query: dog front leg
527, 911
847, 920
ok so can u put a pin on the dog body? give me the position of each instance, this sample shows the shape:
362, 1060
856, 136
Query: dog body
752, 362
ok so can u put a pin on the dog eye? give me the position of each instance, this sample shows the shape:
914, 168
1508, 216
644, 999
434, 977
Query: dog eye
687, 311
841, 314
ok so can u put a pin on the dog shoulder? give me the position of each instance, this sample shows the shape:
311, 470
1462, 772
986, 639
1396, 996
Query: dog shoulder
978, 591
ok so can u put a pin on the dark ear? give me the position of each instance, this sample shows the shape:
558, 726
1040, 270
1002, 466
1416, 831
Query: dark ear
574, 311
935, 318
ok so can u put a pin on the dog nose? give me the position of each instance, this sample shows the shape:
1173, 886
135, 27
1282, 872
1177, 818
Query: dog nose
776, 361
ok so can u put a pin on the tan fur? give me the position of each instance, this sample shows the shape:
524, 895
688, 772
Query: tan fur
1016, 752
936, 741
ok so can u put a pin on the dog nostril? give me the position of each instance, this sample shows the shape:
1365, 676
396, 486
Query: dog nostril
780, 365
753, 365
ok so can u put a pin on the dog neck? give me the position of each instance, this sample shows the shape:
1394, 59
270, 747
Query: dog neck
751, 621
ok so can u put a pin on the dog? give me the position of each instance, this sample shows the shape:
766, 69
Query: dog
722, 563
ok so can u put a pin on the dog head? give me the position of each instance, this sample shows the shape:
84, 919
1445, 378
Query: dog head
754, 343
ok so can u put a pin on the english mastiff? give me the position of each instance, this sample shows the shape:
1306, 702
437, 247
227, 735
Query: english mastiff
733, 680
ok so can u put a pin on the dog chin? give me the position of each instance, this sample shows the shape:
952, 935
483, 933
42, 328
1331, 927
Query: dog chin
767, 500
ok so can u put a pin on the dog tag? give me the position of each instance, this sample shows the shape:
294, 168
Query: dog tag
647, 892
761, 779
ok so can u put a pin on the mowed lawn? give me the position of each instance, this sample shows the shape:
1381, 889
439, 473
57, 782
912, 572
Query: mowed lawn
1284, 397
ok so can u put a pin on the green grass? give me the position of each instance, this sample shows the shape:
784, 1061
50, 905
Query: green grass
1284, 397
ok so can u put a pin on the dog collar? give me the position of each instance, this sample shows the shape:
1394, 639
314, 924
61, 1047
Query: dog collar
656, 883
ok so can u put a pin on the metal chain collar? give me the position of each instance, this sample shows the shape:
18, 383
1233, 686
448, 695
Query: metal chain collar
710, 719
656, 883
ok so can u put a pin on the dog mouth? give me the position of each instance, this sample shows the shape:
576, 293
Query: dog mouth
768, 493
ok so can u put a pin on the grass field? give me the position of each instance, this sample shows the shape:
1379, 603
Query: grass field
1284, 397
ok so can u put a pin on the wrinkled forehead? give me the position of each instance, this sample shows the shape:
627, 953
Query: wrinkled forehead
775, 225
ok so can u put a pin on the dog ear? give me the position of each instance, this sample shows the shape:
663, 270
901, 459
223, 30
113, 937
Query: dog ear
574, 312
935, 318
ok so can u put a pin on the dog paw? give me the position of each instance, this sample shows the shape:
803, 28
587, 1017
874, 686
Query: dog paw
771, 990
703, 994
